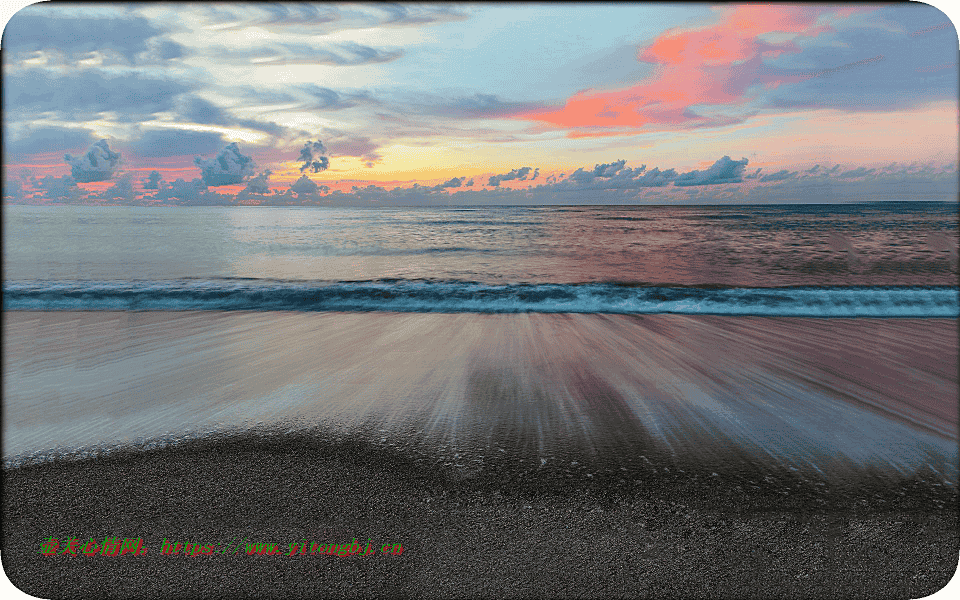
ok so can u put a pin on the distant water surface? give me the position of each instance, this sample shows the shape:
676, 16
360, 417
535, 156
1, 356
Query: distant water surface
879, 244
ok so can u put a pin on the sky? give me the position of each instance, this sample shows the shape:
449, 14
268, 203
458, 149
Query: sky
467, 104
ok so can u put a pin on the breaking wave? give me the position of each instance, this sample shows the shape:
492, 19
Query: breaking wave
456, 296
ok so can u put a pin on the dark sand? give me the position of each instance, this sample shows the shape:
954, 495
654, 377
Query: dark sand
511, 455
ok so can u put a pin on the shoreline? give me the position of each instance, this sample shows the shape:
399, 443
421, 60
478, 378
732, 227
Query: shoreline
787, 387
510, 455
656, 532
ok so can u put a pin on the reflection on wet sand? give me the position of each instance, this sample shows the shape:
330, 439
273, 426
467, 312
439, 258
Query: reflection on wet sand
802, 393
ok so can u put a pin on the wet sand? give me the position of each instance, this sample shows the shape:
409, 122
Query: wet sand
512, 455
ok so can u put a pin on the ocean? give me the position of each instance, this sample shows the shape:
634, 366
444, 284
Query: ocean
169, 322
673, 401
844, 260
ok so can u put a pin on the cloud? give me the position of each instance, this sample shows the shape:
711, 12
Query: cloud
278, 54
323, 98
230, 167
12, 190
450, 183
477, 106
200, 111
877, 64
753, 175
469, 183
32, 140
190, 193
69, 39
405, 14
310, 19
80, 95
161, 143
858, 172
304, 187
717, 65
59, 189
614, 176
160, 51
343, 144
353, 146
224, 17
722, 171
519, 174
778, 176
98, 164
122, 190
604, 171
312, 156
152, 182
812, 170
259, 184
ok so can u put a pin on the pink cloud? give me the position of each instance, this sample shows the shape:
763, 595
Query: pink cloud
713, 65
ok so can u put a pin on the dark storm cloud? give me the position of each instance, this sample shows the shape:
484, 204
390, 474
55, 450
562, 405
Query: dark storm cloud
312, 155
83, 95
229, 167
152, 181
49, 139
724, 170
97, 164
779, 176
519, 174
160, 143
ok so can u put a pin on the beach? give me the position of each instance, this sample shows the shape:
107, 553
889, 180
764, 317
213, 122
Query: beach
511, 455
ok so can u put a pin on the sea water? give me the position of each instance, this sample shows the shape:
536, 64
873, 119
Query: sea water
842, 260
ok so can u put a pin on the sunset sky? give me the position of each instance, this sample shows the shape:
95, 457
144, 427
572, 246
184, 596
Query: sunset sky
479, 103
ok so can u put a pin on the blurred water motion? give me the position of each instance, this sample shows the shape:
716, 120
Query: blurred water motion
806, 393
